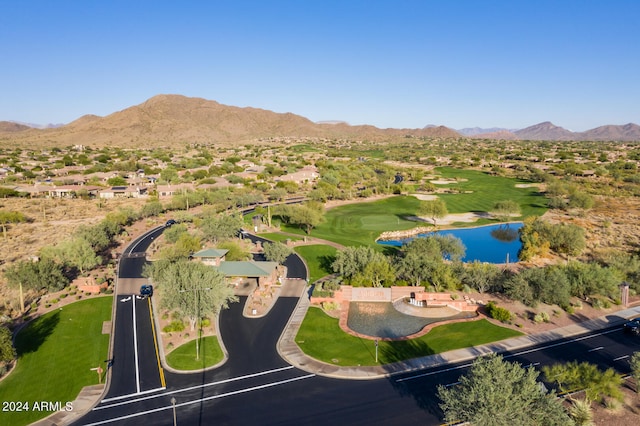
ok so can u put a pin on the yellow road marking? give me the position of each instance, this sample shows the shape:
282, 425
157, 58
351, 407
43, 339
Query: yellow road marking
155, 342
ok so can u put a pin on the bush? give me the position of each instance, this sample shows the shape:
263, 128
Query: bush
495, 312
52, 301
206, 322
174, 326
63, 295
330, 306
541, 317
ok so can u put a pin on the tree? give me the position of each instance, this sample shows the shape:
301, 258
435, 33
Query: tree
596, 383
420, 257
75, 253
435, 209
218, 227
7, 351
353, 260
481, 276
43, 274
117, 181
276, 252
505, 209
306, 216
377, 271
635, 369
193, 288
496, 392
7, 217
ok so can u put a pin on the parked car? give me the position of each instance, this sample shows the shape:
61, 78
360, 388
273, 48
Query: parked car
146, 290
632, 326
169, 223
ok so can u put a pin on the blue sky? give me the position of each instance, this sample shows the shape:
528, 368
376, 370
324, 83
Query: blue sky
400, 63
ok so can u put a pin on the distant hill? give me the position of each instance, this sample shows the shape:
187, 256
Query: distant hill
473, 131
627, 132
549, 131
166, 120
10, 127
544, 131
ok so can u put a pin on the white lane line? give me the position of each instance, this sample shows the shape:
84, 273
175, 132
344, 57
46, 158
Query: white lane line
116, 398
621, 357
201, 400
451, 384
135, 346
596, 349
511, 355
233, 379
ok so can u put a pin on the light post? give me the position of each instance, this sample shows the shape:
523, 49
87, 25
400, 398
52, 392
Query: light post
173, 403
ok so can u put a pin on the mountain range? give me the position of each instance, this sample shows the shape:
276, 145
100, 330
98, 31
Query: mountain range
166, 120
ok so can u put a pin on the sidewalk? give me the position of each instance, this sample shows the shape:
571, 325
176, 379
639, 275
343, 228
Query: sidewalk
290, 351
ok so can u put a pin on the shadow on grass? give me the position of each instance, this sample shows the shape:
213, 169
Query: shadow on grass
402, 350
325, 262
36, 333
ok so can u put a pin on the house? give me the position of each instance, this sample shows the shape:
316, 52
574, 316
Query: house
124, 192
266, 273
304, 175
170, 190
211, 257
71, 191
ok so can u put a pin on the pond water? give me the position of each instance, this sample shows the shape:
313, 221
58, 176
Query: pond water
491, 244
381, 319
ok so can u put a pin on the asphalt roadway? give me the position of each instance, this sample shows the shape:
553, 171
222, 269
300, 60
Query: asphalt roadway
256, 385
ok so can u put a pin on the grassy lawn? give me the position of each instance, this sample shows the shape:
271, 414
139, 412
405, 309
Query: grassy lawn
361, 223
55, 355
320, 337
486, 190
318, 259
184, 357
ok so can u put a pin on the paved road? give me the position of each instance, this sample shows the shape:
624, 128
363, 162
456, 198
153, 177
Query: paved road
256, 386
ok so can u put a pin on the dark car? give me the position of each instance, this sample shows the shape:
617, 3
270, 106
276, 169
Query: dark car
169, 223
632, 326
146, 290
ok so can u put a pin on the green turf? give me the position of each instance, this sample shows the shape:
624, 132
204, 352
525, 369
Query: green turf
481, 191
184, 357
362, 223
318, 259
320, 337
55, 355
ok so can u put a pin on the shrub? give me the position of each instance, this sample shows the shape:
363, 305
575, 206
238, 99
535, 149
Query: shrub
541, 317
495, 312
330, 306
174, 326
597, 303
63, 295
78, 297
52, 301
206, 322
170, 345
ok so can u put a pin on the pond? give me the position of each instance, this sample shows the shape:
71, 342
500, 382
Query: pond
491, 244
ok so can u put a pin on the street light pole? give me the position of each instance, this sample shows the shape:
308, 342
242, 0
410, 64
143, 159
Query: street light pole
173, 403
